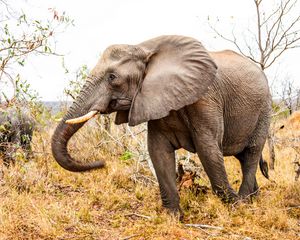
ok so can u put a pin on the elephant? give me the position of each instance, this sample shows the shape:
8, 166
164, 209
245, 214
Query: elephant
16, 129
214, 104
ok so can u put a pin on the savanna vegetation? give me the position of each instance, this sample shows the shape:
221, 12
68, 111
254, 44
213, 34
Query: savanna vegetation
40, 200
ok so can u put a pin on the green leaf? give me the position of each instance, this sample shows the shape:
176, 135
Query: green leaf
127, 155
21, 63
2, 128
6, 29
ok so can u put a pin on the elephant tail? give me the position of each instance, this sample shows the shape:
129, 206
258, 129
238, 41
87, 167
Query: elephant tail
263, 165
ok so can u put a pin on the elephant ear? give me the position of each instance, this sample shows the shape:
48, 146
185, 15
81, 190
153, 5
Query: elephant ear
179, 71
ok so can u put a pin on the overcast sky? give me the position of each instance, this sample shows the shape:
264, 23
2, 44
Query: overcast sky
99, 24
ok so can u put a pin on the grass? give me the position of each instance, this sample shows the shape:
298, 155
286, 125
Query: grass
40, 200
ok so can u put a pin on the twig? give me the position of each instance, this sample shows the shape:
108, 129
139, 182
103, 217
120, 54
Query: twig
137, 215
129, 237
201, 226
292, 207
136, 177
206, 232
46, 153
283, 209
246, 197
3, 192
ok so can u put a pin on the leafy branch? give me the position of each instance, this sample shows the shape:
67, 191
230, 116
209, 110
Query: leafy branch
21, 37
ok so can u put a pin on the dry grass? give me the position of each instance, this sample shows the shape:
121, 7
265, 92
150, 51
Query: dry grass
40, 200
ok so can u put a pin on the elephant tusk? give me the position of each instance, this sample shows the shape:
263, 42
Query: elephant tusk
83, 118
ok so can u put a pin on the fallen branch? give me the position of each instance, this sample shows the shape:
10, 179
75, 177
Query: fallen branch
204, 226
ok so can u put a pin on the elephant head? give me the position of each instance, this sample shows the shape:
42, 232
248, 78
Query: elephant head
140, 82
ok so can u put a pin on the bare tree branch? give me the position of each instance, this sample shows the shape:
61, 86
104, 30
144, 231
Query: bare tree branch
277, 23
234, 41
274, 34
257, 3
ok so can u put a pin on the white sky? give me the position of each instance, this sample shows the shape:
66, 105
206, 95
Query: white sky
99, 24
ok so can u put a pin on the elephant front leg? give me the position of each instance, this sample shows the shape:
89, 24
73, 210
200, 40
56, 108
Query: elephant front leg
163, 158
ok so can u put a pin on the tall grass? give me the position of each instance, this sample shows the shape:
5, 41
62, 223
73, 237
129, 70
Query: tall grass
40, 200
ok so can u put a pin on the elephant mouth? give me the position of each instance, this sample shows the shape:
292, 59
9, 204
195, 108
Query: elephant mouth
114, 105
119, 104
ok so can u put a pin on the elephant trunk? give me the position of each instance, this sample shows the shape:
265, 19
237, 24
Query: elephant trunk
65, 131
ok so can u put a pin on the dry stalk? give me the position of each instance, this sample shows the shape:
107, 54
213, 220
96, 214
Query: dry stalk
129, 237
297, 171
138, 215
204, 226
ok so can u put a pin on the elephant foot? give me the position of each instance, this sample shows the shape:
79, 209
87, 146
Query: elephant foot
177, 213
173, 210
227, 196
247, 192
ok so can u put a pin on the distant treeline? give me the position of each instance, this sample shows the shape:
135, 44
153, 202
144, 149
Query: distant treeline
56, 106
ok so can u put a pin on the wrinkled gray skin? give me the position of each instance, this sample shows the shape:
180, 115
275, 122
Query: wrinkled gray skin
16, 128
213, 103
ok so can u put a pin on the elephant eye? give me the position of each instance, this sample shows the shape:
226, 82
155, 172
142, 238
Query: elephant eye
111, 77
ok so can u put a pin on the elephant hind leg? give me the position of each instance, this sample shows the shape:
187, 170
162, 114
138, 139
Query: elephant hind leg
211, 158
249, 159
251, 156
